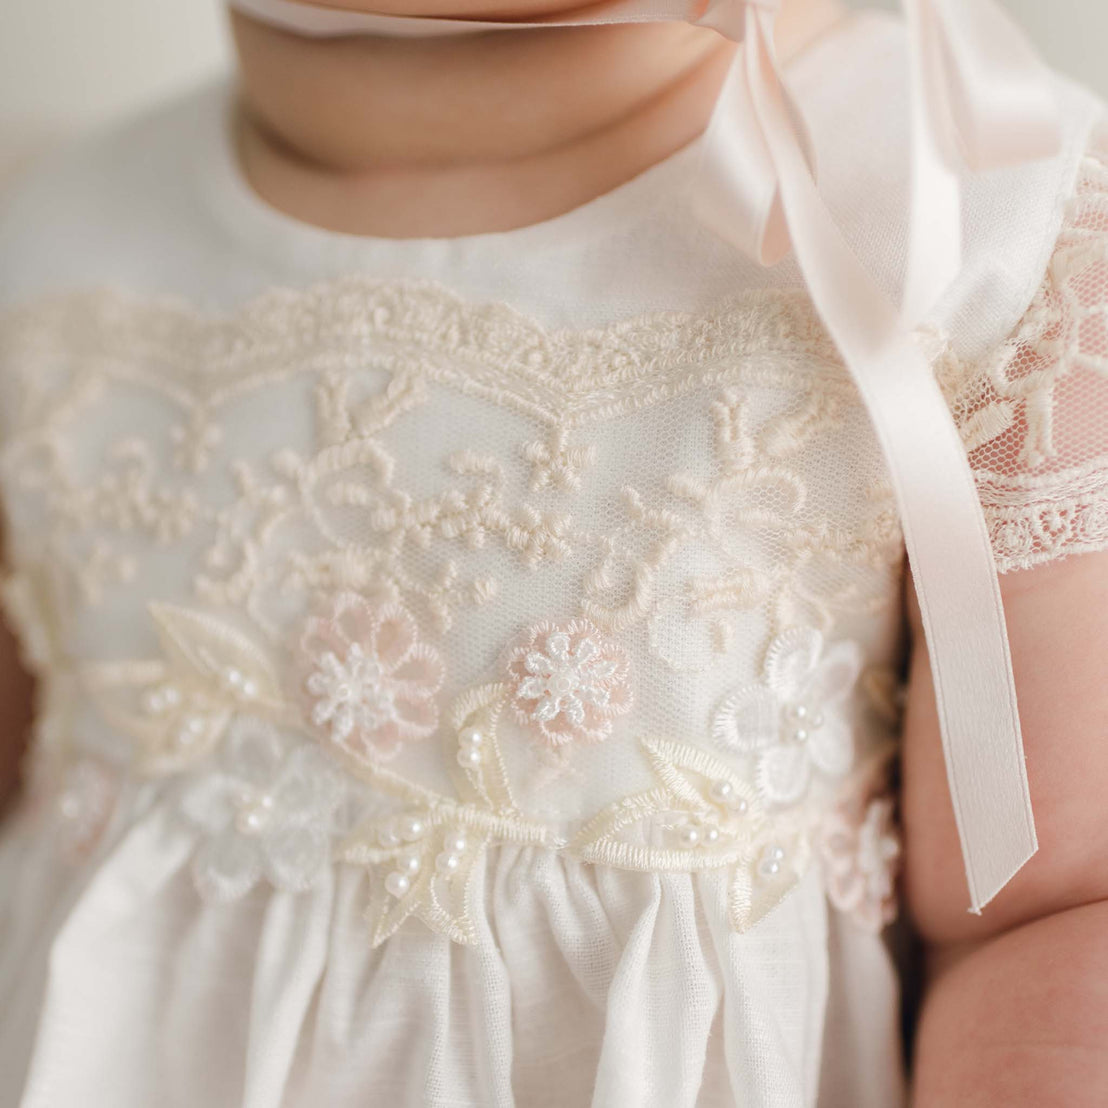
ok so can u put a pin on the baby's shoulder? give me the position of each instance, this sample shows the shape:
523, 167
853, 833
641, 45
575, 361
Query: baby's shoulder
110, 207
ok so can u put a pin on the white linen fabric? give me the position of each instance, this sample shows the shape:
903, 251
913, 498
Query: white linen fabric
469, 667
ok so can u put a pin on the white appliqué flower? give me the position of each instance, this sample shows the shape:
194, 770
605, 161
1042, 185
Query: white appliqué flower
795, 721
369, 682
861, 858
569, 682
267, 809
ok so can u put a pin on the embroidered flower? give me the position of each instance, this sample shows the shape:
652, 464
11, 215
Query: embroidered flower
555, 464
370, 683
861, 859
569, 682
794, 721
266, 810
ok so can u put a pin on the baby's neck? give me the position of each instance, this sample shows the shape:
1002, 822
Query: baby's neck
447, 137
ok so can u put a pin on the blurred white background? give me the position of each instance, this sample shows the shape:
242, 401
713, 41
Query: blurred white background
68, 64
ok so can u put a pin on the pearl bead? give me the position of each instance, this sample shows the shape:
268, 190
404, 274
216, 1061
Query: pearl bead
447, 862
800, 735
739, 804
711, 834
471, 738
799, 711
409, 864
388, 836
776, 853
412, 828
771, 869
455, 843
688, 836
469, 757
722, 791
190, 730
817, 719
251, 820
156, 702
397, 884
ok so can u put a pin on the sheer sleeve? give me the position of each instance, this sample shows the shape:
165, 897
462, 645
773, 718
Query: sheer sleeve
1034, 413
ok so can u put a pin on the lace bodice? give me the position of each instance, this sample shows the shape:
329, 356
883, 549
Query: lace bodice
378, 576
373, 575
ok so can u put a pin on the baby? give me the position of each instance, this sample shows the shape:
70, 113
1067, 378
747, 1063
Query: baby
458, 479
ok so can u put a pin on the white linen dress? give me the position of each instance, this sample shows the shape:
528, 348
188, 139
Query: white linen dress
469, 668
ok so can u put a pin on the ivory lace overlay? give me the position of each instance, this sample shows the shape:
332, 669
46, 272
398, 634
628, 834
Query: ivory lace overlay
1033, 415
369, 574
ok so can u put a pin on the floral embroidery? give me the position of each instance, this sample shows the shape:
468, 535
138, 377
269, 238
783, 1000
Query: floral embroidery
859, 844
426, 860
569, 682
701, 816
265, 811
370, 683
556, 464
794, 722
333, 569
861, 860
178, 708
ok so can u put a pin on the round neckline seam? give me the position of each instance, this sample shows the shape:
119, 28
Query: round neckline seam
660, 190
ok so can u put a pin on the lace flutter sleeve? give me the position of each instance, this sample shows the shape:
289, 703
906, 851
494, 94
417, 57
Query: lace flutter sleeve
1034, 413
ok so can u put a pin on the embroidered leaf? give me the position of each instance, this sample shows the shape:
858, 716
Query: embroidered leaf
227, 663
173, 723
756, 887
475, 748
695, 788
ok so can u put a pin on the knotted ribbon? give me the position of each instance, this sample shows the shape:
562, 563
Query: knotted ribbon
981, 100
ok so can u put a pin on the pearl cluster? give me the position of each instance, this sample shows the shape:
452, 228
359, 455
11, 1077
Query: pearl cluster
771, 861
724, 793
694, 833
412, 829
471, 747
697, 831
254, 812
805, 721
238, 684
165, 700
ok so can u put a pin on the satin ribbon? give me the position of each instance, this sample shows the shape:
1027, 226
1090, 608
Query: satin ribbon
981, 100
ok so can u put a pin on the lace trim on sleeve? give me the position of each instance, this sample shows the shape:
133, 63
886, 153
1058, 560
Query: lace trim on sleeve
1034, 415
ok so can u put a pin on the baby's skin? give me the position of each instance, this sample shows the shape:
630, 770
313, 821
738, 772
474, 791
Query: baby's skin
457, 136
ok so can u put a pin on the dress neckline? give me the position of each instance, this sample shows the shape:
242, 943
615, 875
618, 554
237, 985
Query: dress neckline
658, 190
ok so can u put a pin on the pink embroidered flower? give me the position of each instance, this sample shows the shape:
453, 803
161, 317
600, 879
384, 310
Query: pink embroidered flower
569, 682
861, 854
370, 683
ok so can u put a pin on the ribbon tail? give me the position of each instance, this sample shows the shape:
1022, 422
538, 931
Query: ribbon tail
945, 531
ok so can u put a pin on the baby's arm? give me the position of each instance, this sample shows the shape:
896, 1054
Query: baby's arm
1016, 1008
15, 710
15, 700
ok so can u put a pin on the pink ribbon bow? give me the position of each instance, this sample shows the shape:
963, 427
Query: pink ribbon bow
981, 99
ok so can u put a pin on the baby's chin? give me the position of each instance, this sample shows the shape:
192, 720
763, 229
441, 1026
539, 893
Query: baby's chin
458, 9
